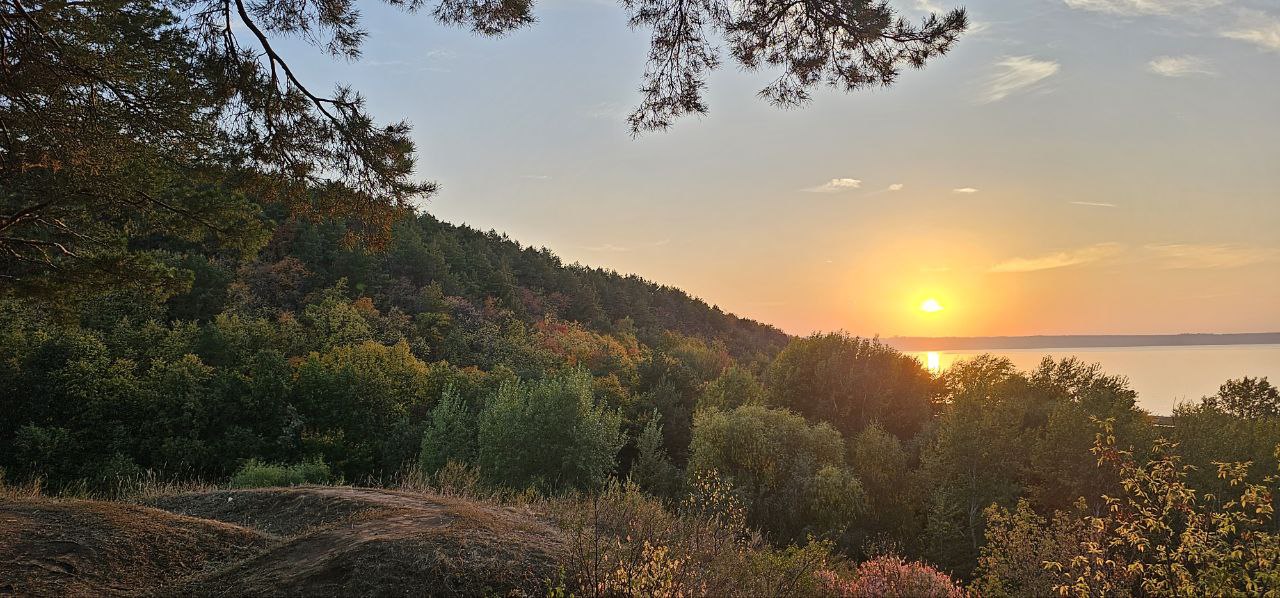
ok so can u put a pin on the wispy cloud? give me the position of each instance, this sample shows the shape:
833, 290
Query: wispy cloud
1257, 28
1180, 66
608, 111
607, 248
1179, 256
611, 248
536, 177
965, 190
896, 187
1144, 7
428, 61
1060, 259
1093, 204
1016, 74
835, 186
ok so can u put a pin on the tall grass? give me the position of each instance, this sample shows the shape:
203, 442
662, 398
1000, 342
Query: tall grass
256, 474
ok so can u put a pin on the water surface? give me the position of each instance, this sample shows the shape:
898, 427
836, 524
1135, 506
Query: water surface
1163, 376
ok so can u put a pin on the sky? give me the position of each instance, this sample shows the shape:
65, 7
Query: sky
1070, 167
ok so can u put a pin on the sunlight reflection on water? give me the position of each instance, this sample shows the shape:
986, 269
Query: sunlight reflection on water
1162, 376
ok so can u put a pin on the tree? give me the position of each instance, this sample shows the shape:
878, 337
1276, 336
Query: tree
735, 387
1248, 398
851, 382
451, 436
1207, 435
884, 468
975, 455
847, 45
357, 400
549, 434
790, 473
652, 469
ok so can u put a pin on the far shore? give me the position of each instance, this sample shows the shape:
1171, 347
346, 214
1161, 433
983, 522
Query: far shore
1076, 341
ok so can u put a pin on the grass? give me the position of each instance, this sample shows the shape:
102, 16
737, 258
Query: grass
256, 474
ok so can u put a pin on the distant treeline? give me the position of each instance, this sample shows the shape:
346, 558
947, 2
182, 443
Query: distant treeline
1076, 341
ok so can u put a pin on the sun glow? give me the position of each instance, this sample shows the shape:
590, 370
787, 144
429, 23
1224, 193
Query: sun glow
931, 305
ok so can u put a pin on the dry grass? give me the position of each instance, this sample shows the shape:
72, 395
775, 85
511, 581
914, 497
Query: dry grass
72, 547
308, 540
446, 535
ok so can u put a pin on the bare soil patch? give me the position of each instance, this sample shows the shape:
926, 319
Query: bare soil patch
313, 541
92, 548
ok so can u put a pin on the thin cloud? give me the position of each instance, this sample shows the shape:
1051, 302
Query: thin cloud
1188, 256
608, 111
1016, 74
1257, 28
1093, 204
965, 190
536, 177
1060, 259
1143, 7
607, 248
1180, 66
611, 248
896, 187
836, 186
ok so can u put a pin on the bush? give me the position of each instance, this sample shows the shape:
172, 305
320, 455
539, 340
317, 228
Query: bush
623, 543
256, 474
891, 577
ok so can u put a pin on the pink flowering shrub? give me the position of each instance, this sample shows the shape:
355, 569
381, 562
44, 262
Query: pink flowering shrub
890, 577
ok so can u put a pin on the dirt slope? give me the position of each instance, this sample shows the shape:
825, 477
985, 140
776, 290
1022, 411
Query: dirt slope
90, 548
314, 541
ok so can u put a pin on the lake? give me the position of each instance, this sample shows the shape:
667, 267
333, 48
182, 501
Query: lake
1163, 376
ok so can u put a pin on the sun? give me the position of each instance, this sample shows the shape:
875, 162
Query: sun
931, 305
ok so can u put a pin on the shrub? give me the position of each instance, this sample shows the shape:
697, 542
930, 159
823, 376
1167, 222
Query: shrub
890, 577
1159, 537
256, 474
623, 543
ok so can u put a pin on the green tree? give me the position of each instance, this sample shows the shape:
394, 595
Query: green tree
735, 387
357, 400
1207, 435
790, 473
451, 435
1248, 398
885, 470
652, 468
549, 434
976, 455
850, 382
